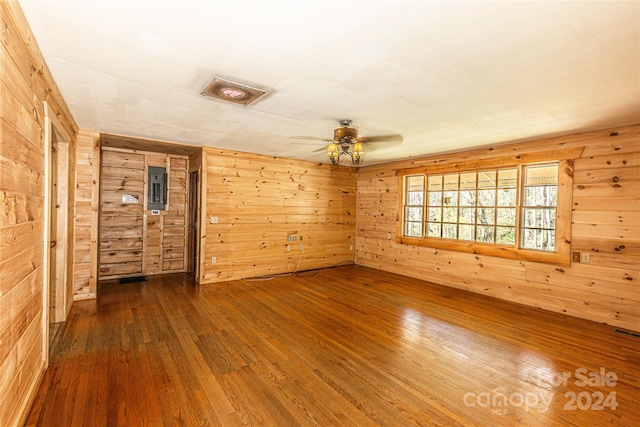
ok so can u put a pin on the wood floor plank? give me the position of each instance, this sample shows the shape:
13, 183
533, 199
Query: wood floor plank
346, 346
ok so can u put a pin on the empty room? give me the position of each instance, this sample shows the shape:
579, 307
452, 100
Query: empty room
319, 213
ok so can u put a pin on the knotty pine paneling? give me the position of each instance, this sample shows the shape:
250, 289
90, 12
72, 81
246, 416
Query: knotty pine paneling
605, 223
70, 238
174, 248
121, 173
132, 240
153, 223
259, 201
25, 84
85, 277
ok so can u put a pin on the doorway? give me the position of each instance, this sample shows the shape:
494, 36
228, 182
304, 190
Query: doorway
192, 237
57, 292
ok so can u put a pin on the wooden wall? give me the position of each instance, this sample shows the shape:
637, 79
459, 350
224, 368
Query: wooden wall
195, 217
605, 224
121, 225
259, 201
132, 240
85, 278
25, 83
174, 226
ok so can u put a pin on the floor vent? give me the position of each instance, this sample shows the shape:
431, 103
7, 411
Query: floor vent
631, 334
135, 279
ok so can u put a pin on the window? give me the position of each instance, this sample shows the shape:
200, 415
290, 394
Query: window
518, 210
540, 201
414, 206
472, 206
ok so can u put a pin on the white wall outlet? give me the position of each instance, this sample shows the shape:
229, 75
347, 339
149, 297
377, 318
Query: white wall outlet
585, 257
213, 220
350, 247
288, 248
301, 247
213, 260
388, 235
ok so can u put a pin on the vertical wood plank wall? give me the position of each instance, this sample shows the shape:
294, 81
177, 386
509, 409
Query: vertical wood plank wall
85, 278
605, 223
132, 240
259, 201
70, 222
25, 83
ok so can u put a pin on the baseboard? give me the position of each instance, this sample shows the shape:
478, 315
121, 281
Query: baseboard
30, 397
91, 295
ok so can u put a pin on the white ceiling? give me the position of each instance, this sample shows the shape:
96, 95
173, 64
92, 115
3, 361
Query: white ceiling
445, 75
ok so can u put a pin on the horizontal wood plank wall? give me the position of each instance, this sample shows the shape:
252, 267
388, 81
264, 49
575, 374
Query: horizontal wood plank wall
86, 214
25, 83
174, 230
121, 224
153, 224
259, 201
132, 240
605, 223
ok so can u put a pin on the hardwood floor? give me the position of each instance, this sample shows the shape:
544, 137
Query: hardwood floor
347, 346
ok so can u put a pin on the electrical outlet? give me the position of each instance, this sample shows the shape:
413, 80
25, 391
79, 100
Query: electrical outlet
389, 236
301, 247
288, 248
585, 257
213, 220
350, 247
213, 260
575, 257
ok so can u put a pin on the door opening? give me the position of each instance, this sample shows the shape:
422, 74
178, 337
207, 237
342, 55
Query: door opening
194, 213
57, 292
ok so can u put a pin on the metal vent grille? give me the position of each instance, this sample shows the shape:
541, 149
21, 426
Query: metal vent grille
234, 92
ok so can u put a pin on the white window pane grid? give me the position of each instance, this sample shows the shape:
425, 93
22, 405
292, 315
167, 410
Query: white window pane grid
459, 204
540, 201
483, 206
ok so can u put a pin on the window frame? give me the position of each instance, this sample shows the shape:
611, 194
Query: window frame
562, 254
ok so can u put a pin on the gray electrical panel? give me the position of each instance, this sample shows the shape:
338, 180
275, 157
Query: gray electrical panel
157, 179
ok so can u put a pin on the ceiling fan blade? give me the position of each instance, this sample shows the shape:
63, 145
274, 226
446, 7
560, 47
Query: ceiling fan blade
312, 138
382, 138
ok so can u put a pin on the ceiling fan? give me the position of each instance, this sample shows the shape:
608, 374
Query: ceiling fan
346, 142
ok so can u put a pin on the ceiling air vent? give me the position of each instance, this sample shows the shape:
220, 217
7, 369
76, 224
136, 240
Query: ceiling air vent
227, 90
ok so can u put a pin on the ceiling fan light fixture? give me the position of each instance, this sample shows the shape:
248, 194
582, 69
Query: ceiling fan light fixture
343, 132
356, 152
334, 154
358, 149
346, 142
